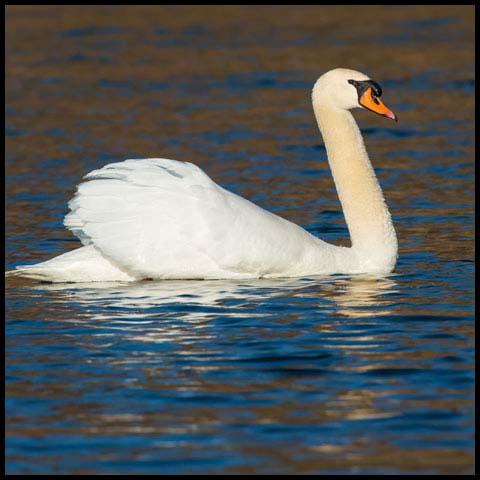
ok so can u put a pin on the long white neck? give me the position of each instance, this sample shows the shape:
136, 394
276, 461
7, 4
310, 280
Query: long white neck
366, 213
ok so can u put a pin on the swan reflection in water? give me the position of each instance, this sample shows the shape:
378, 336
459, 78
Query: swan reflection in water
350, 296
253, 334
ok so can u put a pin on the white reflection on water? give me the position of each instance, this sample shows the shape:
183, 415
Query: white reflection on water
186, 314
357, 296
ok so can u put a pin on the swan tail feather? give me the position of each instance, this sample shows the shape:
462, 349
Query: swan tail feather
30, 271
84, 264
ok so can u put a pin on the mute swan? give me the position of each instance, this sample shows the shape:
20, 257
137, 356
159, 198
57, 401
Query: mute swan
164, 219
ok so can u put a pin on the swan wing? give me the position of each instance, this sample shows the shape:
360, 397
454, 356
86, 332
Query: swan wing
162, 218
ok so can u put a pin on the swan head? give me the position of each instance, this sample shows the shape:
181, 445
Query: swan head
345, 89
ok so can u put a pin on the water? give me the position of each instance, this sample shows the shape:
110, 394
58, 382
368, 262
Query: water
341, 374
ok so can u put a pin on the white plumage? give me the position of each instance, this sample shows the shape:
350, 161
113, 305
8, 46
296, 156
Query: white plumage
158, 218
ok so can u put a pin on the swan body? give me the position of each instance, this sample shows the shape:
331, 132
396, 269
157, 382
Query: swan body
164, 219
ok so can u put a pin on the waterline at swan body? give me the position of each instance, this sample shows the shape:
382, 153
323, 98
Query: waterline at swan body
164, 219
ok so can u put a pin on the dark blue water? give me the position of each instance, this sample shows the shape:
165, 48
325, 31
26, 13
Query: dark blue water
340, 374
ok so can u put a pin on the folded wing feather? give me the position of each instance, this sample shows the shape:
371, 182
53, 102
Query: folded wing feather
163, 218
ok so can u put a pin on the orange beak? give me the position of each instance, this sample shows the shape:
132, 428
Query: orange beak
375, 105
